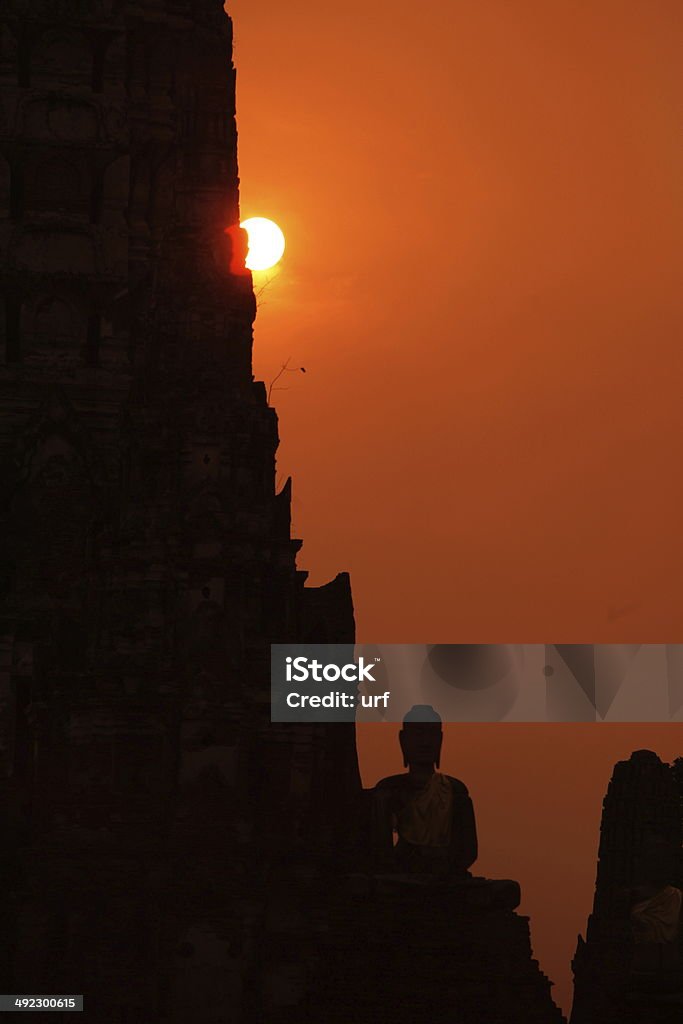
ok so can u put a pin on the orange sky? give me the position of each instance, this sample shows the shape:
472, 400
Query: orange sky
483, 210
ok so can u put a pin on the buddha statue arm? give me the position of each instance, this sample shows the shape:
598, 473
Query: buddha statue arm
382, 826
464, 846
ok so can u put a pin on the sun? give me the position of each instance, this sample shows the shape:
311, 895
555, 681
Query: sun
266, 243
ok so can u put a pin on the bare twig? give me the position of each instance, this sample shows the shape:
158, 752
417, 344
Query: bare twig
285, 368
259, 292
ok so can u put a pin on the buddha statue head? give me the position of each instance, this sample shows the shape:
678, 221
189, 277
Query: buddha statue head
421, 738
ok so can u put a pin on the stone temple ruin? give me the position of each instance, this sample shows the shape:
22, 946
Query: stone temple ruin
166, 850
615, 978
146, 561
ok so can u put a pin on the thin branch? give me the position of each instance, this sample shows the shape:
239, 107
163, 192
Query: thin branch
285, 368
260, 291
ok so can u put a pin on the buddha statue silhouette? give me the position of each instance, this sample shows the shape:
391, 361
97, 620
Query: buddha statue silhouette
431, 814
423, 821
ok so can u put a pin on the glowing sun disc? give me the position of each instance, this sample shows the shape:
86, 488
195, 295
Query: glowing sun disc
266, 243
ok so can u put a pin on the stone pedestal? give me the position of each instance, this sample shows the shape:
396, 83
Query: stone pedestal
388, 952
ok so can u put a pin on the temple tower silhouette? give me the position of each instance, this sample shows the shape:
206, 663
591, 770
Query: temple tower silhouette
643, 799
146, 560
